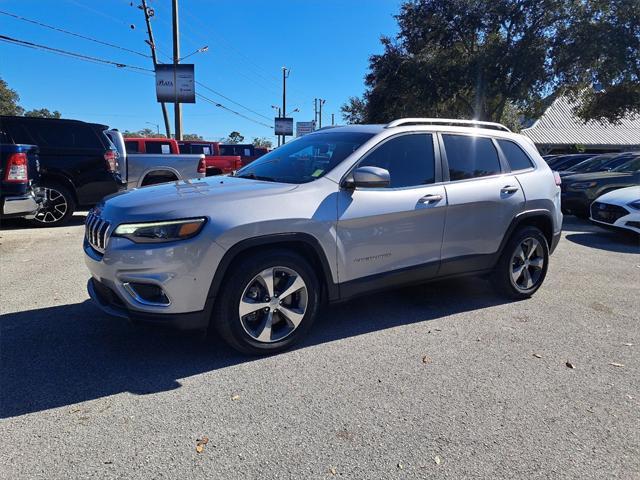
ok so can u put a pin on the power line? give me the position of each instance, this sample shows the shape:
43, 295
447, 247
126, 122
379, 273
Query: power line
217, 104
233, 101
35, 22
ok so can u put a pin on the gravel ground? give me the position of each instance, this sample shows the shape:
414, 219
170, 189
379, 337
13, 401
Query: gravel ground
445, 380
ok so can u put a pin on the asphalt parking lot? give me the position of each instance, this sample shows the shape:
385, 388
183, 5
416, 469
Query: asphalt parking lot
445, 380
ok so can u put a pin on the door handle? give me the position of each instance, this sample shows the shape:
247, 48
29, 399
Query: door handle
509, 189
430, 198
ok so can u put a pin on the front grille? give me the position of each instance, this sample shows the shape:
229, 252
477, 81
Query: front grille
607, 213
96, 231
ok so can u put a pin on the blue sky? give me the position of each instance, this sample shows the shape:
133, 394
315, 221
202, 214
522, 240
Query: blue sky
325, 43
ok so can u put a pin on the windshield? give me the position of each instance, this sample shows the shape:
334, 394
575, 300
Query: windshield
305, 159
630, 166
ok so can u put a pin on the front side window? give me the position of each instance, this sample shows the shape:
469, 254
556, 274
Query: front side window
306, 158
158, 147
470, 157
408, 158
131, 146
517, 159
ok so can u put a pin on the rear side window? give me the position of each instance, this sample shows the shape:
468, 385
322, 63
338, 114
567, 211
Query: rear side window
408, 158
518, 160
64, 135
470, 157
158, 147
131, 146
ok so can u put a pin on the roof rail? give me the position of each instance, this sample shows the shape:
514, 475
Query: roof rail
446, 121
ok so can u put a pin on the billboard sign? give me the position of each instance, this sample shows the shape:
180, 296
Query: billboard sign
304, 128
283, 126
175, 83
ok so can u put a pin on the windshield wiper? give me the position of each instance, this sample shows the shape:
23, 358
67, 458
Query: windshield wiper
253, 176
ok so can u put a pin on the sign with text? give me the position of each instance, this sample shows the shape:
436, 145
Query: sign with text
175, 83
304, 128
283, 126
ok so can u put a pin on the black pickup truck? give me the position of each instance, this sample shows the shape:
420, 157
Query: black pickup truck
78, 164
19, 168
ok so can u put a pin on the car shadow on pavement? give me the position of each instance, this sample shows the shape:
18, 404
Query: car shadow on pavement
78, 218
59, 356
619, 242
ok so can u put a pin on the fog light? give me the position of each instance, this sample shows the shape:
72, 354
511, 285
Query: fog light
147, 294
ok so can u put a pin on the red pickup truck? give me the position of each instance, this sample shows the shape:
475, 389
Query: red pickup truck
216, 163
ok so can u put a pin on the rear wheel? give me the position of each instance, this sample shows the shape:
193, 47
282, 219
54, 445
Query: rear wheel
523, 265
57, 205
267, 303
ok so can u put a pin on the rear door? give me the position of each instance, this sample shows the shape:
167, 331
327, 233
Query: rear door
400, 226
483, 198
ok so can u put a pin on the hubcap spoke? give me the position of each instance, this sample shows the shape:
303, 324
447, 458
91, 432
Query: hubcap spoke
247, 306
297, 284
528, 282
533, 248
268, 280
265, 333
292, 317
537, 263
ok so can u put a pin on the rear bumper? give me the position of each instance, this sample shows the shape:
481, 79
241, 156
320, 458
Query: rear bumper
554, 241
19, 205
109, 302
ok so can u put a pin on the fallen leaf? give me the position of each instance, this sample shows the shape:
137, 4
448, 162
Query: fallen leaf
437, 460
615, 364
437, 329
570, 365
537, 355
427, 359
199, 448
204, 440
400, 466
332, 471
235, 397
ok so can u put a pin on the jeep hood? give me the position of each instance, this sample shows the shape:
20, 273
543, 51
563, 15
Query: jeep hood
186, 198
594, 176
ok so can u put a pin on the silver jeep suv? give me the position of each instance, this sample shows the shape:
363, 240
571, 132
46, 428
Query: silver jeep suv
334, 214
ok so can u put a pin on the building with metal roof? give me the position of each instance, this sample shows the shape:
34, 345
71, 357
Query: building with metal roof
558, 130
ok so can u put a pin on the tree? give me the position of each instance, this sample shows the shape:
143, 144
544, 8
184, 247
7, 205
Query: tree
192, 136
9, 100
43, 113
262, 142
354, 110
485, 59
234, 137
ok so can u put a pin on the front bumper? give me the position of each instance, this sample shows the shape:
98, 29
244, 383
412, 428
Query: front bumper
19, 205
575, 203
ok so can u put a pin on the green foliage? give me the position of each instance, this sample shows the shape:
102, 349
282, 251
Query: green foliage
192, 136
43, 113
9, 100
498, 60
262, 142
145, 132
234, 137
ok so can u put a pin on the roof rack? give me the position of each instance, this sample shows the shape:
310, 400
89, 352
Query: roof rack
446, 121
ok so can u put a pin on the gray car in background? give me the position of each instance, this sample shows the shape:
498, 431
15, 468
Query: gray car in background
334, 214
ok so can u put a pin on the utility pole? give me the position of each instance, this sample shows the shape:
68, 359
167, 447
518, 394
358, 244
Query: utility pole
152, 45
321, 102
177, 108
279, 116
285, 74
333, 119
315, 112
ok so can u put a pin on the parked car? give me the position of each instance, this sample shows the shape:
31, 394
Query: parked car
247, 152
143, 169
78, 165
619, 209
580, 190
599, 163
328, 216
19, 168
564, 162
216, 164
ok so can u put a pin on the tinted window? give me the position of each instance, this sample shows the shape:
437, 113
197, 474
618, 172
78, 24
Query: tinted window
470, 157
408, 158
518, 160
64, 135
198, 149
157, 147
131, 146
19, 133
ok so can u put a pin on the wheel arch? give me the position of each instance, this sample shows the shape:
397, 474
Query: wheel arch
541, 219
167, 172
62, 180
302, 243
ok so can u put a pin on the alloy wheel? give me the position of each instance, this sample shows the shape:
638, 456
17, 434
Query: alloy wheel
273, 304
54, 205
527, 264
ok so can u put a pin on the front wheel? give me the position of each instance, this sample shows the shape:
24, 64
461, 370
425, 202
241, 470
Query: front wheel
57, 205
267, 303
523, 265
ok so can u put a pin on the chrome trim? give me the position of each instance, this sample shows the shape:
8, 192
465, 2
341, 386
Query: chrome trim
131, 291
97, 232
18, 205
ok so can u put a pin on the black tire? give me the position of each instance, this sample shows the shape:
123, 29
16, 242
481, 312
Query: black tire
57, 207
237, 285
508, 265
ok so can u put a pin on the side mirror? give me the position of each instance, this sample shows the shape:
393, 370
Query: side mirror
368, 177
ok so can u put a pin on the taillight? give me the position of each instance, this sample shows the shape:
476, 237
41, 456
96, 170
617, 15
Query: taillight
238, 164
557, 178
111, 157
202, 166
17, 166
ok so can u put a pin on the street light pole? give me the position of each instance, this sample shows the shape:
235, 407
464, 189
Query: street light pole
177, 107
321, 101
285, 74
152, 45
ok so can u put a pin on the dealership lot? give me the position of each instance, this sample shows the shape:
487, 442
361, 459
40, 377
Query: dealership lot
445, 380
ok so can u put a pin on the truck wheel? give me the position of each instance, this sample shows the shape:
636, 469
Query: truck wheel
523, 264
267, 303
57, 205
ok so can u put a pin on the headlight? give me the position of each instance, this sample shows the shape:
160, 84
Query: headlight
635, 204
156, 232
582, 185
